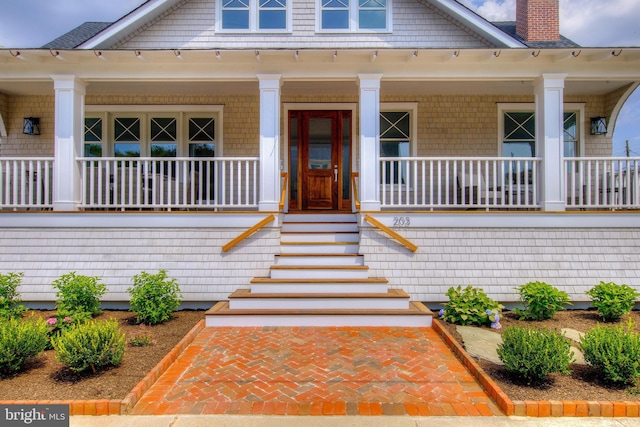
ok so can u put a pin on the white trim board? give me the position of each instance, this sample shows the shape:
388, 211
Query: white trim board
490, 220
132, 220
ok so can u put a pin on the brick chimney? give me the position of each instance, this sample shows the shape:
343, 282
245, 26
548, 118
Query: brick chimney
538, 20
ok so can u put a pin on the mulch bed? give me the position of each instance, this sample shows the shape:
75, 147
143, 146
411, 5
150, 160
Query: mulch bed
47, 379
583, 384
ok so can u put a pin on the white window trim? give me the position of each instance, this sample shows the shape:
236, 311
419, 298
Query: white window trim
253, 20
353, 20
412, 109
527, 107
181, 112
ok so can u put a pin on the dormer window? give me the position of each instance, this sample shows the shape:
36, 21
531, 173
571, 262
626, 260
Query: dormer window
254, 15
355, 15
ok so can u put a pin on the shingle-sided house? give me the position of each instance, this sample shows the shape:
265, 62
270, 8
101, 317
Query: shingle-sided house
318, 161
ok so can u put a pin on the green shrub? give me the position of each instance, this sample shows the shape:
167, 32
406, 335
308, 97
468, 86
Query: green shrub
612, 301
10, 302
59, 324
78, 294
20, 341
533, 353
470, 306
93, 345
154, 297
614, 352
541, 301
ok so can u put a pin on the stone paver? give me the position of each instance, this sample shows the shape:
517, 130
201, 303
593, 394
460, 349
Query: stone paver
317, 371
482, 343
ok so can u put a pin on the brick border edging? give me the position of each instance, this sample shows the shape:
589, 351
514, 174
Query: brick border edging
132, 398
535, 408
116, 406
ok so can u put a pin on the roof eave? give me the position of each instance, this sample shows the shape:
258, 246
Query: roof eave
477, 22
130, 22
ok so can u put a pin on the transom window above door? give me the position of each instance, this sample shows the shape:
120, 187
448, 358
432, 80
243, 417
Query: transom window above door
254, 15
354, 15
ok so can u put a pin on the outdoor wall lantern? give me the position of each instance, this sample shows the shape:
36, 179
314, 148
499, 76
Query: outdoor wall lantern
598, 125
31, 126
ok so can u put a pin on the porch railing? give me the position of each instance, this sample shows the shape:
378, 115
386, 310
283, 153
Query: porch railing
26, 183
168, 183
602, 182
463, 182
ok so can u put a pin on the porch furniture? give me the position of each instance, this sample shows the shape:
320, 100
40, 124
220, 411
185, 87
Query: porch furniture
473, 189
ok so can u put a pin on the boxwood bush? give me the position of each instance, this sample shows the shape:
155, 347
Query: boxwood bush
92, 345
533, 353
614, 352
20, 341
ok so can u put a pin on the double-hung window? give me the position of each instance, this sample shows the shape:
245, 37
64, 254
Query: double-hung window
93, 137
397, 139
519, 131
354, 15
254, 15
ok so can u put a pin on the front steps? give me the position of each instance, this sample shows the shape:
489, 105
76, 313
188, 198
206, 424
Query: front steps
319, 279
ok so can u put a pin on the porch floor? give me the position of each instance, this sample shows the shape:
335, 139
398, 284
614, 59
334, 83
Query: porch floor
317, 371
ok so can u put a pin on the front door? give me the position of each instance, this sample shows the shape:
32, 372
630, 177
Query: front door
320, 153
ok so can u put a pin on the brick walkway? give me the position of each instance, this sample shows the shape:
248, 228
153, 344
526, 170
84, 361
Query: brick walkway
317, 371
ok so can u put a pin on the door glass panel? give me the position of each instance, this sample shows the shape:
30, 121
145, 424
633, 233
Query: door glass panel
293, 178
346, 158
320, 143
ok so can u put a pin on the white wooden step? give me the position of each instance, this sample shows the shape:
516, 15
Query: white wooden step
308, 227
320, 217
320, 237
417, 315
319, 259
319, 247
243, 299
328, 272
267, 285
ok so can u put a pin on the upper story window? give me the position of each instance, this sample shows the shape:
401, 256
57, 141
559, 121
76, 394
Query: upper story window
254, 15
355, 15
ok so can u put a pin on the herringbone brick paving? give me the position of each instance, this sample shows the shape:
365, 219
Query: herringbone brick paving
317, 371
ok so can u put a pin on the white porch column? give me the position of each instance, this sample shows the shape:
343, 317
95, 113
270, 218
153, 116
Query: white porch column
269, 142
549, 91
69, 123
369, 141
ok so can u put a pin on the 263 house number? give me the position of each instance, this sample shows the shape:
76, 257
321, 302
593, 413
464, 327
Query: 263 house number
401, 221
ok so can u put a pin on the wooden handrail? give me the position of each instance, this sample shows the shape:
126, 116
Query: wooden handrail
247, 233
284, 189
354, 175
390, 232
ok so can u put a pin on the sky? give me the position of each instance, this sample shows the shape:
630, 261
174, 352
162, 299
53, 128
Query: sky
592, 23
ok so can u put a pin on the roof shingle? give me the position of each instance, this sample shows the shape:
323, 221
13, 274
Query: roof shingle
77, 36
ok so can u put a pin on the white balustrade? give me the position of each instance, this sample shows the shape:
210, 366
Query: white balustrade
462, 182
602, 182
168, 183
26, 183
